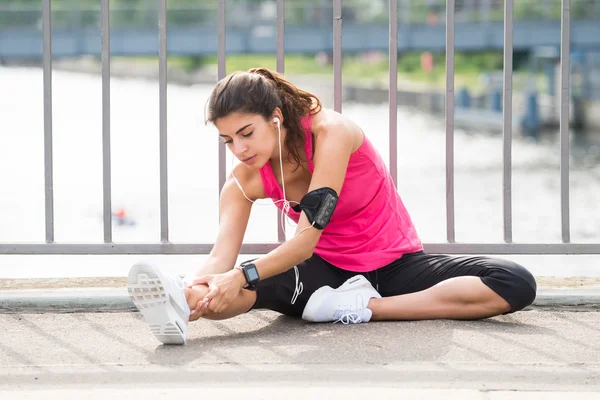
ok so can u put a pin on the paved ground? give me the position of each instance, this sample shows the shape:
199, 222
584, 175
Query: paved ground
538, 353
76, 338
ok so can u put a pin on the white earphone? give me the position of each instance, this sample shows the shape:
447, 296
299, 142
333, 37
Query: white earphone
285, 201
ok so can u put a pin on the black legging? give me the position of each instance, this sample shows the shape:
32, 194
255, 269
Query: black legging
289, 292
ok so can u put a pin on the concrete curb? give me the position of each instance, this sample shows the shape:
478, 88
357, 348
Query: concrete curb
588, 297
66, 300
117, 300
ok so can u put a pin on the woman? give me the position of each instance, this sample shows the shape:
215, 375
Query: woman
356, 255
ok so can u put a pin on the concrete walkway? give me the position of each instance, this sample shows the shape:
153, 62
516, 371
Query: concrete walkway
540, 354
66, 339
528, 355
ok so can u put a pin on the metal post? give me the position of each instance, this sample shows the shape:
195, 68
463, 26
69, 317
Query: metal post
565, 66
507, 123
337, 55
280, 69
221, 72
48, 170
162, 78
393, 91
450, 121
106, 163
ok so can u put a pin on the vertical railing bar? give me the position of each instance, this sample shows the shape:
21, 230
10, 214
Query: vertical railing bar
507, 123
106, 159
48, 151
565, 67
221, 71
281, 36
337, 55
450, 121
162, 77
393, 91
280, 69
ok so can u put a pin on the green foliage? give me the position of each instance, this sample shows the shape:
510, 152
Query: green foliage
552, 9
144, 13
355, 68
68, 14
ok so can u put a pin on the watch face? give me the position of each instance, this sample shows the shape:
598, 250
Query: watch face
252, 273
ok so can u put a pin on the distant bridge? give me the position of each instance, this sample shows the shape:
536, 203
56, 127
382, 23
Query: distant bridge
202, 40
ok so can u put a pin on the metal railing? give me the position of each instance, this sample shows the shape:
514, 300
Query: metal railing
167, 247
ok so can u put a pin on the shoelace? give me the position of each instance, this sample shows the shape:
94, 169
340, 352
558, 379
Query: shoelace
348, 316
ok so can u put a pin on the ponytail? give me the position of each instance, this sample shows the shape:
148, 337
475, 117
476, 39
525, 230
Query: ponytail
261, 91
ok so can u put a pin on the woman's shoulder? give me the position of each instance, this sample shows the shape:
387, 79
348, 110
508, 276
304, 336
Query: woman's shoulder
249, 181
329, 122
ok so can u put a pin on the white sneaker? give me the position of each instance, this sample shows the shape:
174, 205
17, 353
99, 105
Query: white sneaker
346, 304
356, 281
161, 300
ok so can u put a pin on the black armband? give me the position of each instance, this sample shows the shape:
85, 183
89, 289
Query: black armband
318, 206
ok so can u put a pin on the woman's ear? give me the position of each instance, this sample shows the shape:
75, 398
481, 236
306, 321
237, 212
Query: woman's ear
277, 117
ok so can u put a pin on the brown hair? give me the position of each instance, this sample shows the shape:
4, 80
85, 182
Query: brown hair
260, 91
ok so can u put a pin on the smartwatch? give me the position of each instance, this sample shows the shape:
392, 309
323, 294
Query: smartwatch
250, 273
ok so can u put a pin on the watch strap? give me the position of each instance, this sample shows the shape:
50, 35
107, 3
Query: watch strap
242, 267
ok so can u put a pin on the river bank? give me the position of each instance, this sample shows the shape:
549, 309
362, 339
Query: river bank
420, 95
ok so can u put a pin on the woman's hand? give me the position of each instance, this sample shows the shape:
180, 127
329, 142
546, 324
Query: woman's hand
195, 294
223, 289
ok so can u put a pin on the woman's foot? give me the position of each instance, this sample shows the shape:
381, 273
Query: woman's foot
161, 299
346, 304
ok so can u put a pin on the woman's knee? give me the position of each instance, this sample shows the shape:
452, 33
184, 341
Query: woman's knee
514, 283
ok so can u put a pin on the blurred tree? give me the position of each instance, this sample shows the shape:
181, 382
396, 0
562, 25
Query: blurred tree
19, 13
186, 12
69, 14
552, 9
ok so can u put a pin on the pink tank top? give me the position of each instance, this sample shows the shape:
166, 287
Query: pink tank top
370, 227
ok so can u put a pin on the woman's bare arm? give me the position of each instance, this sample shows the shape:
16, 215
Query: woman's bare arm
234, 213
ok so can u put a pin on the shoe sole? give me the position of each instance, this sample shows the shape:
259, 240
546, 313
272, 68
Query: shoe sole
145, 288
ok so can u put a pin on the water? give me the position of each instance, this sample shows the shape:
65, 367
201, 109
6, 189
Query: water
193, 181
